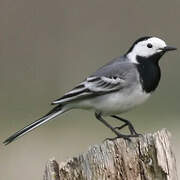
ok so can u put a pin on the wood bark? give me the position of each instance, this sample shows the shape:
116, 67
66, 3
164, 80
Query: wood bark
149, 157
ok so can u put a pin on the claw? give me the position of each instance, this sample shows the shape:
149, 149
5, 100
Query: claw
109, 139
138, 134
126, 137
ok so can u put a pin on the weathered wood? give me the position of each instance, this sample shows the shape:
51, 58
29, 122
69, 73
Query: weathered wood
145, 158
51, 170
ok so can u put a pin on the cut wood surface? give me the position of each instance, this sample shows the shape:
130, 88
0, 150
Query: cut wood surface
149, 157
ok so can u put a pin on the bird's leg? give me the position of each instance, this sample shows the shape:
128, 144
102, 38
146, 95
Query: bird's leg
119, 135
121, 127
127, 123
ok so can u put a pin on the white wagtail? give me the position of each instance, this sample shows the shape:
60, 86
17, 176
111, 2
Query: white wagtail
117, 87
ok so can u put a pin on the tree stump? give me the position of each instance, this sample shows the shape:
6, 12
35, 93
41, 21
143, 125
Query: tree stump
149, 157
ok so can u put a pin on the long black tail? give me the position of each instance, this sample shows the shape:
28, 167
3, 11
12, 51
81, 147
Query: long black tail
52, 114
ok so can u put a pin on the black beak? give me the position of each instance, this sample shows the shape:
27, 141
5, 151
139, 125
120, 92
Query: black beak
168, 48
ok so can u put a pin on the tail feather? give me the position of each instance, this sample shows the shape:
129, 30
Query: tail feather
52, 114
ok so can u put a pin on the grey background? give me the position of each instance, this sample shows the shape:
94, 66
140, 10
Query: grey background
47, 47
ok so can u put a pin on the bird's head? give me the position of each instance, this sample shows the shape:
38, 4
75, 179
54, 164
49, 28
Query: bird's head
148, 47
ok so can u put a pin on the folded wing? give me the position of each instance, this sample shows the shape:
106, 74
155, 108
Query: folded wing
93, 85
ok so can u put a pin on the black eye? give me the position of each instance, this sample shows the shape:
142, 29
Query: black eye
149, 45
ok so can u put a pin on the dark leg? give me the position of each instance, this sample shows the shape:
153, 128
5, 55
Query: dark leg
128, 123
119, 135
121, 127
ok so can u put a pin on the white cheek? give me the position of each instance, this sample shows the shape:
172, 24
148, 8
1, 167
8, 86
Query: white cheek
140, 51
146, 52
158, 50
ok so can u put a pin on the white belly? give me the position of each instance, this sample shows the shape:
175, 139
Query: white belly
117, 102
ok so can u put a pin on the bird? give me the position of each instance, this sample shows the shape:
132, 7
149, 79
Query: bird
115, 88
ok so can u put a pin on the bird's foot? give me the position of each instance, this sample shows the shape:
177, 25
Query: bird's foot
114, 138
126, 137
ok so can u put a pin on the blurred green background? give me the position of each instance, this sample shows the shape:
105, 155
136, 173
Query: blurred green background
47, 47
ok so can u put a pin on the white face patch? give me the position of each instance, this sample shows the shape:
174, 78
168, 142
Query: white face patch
146, 48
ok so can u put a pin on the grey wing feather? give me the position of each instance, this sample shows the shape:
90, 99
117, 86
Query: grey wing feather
91, 86
111, 77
